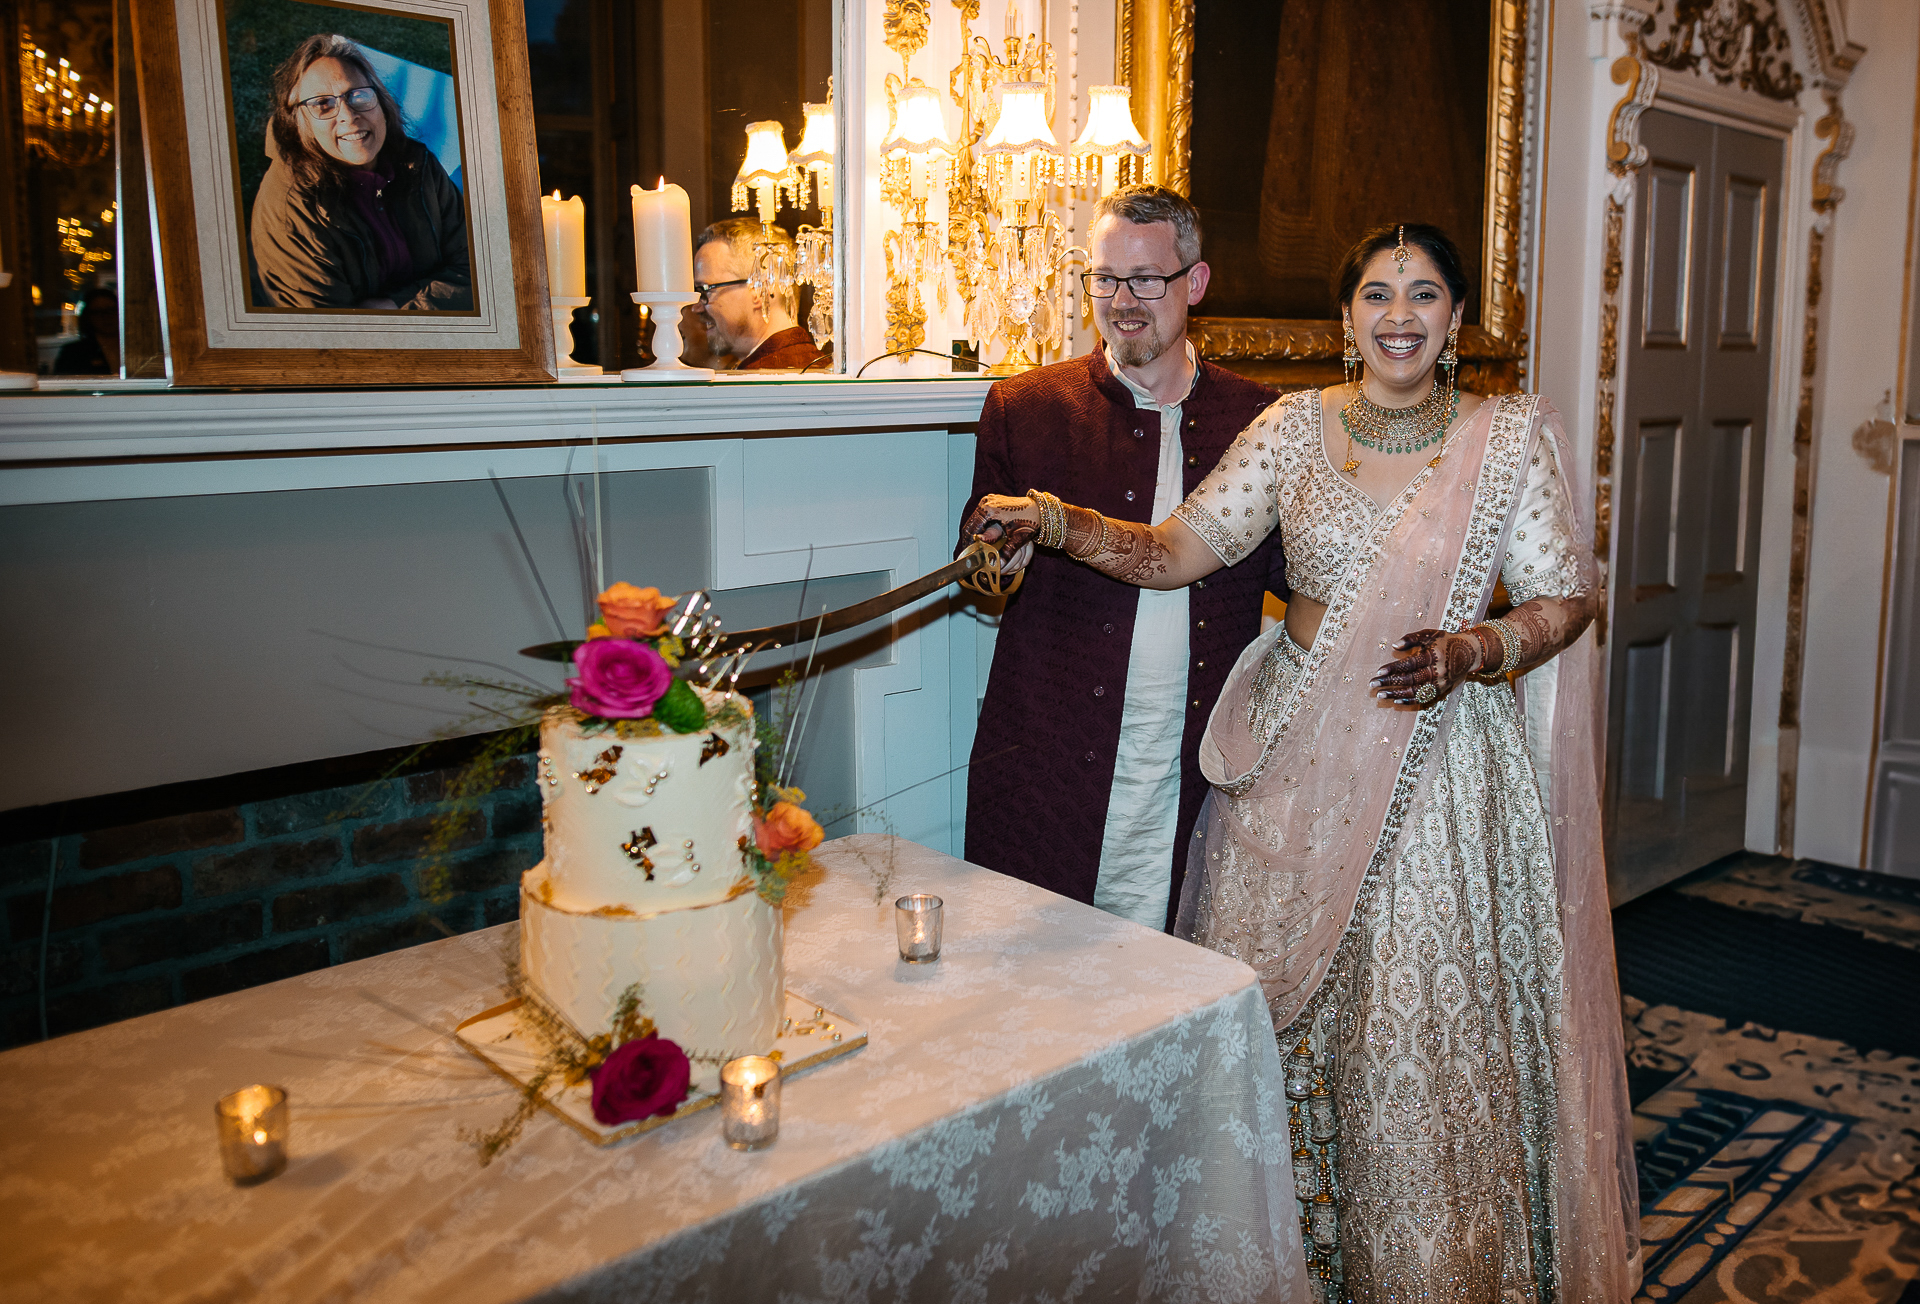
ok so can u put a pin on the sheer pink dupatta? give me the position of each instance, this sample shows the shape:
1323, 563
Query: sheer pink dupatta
1289, 837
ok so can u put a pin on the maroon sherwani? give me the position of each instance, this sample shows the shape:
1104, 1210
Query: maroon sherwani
787, 350
1043, 758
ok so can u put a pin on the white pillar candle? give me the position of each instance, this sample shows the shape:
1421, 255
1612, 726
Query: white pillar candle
565, 221
662, 240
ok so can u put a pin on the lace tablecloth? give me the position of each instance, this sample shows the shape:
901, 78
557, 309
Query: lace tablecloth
1065, 1107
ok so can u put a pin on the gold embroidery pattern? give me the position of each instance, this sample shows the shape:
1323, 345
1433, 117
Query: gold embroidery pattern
1431, 1032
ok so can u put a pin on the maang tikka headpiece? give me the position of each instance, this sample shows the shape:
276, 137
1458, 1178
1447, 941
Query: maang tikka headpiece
1400, 253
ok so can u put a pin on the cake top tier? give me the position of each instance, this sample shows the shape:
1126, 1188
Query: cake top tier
640, 820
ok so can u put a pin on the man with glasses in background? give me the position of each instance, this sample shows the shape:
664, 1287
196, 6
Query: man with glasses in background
757, 328
1085, 776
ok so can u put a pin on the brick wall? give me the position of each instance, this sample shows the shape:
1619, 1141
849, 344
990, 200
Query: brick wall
191, 905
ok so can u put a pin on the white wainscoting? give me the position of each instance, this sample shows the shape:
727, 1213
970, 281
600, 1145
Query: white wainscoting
877, 490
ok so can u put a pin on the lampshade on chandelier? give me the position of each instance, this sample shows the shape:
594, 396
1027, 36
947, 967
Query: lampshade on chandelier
917, 159
66, 126
1019, 158
815, 155
1111, 151
765, 171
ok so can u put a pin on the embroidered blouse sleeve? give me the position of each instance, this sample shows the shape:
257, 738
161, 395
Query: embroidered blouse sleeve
1237, 505
1541, 560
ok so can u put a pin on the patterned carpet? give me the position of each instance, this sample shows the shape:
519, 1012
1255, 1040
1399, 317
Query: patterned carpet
1773, 1021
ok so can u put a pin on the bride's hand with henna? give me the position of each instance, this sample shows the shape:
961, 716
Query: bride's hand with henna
1009, 523
1434, 663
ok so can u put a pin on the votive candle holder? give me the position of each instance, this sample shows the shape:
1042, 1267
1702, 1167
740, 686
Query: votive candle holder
253, 1133
916, 918
750, 1102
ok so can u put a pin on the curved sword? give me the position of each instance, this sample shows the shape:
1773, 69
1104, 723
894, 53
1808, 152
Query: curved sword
833, 622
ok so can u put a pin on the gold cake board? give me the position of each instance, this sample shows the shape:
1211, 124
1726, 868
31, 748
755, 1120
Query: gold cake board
810, 1035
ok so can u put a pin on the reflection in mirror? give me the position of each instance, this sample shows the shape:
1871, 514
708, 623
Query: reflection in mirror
624, 92
68, 250
630, 91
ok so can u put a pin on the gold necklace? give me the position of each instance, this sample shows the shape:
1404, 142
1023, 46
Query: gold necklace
1397, 430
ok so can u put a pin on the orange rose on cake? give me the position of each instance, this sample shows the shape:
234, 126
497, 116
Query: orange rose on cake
630, 612
786, 828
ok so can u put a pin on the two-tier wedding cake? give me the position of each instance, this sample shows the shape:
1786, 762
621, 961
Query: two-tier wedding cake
645, 881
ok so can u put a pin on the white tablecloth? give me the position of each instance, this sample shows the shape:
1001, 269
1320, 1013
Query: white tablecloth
1065, 1106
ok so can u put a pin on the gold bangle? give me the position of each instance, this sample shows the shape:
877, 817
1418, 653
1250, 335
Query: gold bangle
1510, 646
1053, 519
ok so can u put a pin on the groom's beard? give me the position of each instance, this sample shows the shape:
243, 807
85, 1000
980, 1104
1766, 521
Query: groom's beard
1140, 349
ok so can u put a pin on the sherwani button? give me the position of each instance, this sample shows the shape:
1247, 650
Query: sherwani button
1200, 624
1199, 665
1199, 584
1101, 691
1193, 461
1089, 755
1129, 495
1106, 629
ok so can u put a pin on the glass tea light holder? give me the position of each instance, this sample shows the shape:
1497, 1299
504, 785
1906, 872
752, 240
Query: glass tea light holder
750, 1102
916, 918
253, 1133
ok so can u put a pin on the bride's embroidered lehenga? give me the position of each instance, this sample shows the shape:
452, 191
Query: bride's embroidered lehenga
1425, 908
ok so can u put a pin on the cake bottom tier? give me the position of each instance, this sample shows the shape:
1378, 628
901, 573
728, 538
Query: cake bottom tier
711, 977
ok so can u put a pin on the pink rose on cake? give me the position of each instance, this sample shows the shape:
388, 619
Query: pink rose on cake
786, 828
629, 612
619, 679
641, 1078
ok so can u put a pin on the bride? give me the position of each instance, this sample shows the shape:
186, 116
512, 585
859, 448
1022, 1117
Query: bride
1409, 861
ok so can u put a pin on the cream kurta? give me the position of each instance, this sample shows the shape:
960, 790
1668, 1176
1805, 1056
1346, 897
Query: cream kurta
1422, 1066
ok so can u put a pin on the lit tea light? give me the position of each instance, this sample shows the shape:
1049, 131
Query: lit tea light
916, 918
253, 1133
750, 1102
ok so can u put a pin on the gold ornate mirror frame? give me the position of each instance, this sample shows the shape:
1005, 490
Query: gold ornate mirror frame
1153, 53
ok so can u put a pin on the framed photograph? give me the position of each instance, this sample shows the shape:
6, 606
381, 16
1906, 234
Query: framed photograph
349, 193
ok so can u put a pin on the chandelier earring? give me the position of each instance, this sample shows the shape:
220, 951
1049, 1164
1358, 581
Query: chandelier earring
1450, 357
1350, 360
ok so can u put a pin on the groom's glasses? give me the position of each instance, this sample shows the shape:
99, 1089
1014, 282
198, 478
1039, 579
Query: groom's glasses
358, 100
1099, 285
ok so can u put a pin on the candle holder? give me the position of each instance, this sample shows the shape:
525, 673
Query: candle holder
253, 1133
916, 918
666, 363
750, 1102
563, 363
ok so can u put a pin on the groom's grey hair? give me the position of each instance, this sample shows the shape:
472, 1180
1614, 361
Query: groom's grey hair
1144, 205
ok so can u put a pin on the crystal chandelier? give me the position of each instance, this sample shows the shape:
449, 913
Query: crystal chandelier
813, 245
916, 162
64, 126
768, 171
1015, 265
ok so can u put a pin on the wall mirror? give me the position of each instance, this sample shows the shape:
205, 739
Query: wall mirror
624, 92
1315, 120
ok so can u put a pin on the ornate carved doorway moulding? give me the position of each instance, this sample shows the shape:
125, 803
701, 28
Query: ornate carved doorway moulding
1763, 65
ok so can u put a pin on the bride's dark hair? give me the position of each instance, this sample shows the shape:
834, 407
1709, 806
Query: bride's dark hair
1429, 240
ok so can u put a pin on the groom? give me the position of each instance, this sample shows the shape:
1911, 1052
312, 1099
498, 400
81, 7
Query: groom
1085, 775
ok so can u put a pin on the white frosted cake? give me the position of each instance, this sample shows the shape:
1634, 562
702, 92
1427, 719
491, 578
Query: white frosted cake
644, 881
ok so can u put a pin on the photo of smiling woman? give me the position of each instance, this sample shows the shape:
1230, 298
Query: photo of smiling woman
352, 212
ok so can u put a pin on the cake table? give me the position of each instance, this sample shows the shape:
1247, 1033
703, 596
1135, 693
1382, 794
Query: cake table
1064, 1097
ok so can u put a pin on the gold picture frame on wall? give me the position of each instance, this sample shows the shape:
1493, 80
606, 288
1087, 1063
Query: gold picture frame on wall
1154, 54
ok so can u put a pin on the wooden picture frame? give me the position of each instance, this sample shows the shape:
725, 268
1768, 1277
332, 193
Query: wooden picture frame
224, 326
1154, 50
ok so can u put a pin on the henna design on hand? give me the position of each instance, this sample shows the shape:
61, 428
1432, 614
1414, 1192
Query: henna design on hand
1007, 522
